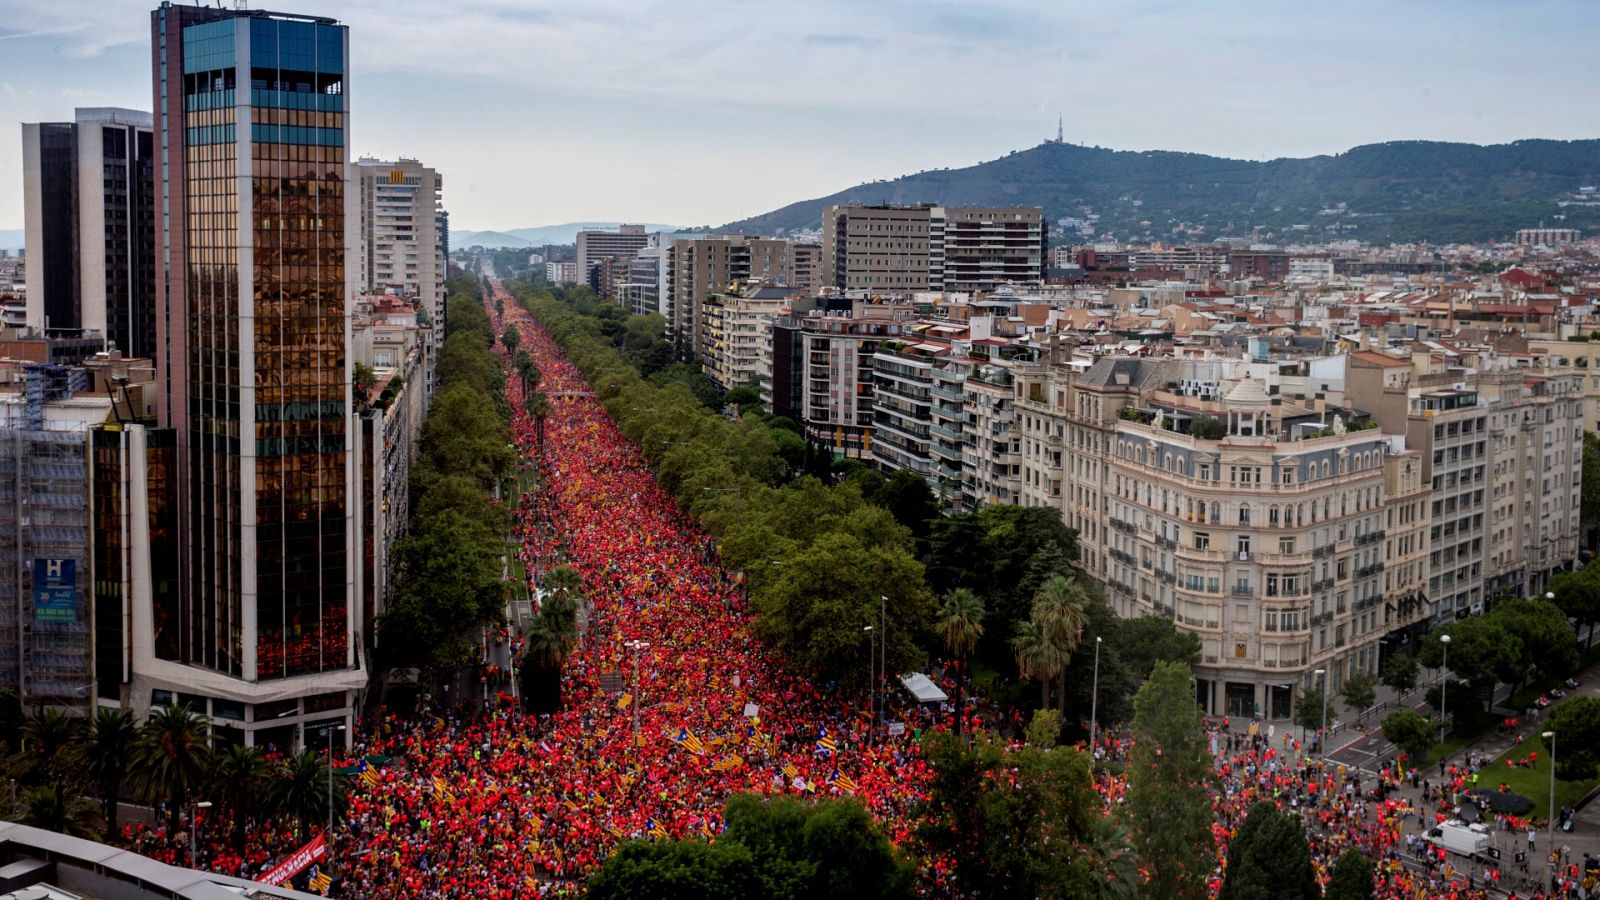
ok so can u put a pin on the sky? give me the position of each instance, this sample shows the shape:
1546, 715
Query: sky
701, 112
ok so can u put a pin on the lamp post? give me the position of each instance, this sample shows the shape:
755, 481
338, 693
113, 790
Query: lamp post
638, 647
1444, 682
872, 673
883, 651
1094, 703
1550, 824
331, 730
1322, 734
194, 832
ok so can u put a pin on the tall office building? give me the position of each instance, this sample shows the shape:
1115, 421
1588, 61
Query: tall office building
254, 315
401, 251
698, 267
594, 246
89, 211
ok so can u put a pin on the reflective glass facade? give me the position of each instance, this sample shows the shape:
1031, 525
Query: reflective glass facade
263, 397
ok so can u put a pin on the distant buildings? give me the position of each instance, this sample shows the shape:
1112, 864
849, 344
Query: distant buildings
906, 249
594, 246
561, 272
90, 213
699, 267
1546, 237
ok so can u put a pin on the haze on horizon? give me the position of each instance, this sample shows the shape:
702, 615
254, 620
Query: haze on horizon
700, 112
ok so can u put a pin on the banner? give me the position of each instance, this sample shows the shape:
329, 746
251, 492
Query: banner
55, 590
296, 862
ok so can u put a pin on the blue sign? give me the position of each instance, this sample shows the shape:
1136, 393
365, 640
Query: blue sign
55, 590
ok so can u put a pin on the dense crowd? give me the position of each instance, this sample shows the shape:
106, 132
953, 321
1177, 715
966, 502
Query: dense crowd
497, 803
506, 804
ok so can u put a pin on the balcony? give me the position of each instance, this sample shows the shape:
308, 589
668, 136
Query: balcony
1243, 590
1167, 543
1324, 550
1325, 584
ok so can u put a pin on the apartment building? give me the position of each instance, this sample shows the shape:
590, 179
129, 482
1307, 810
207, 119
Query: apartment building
838, 351
737, 328
901, 250
402, 251
89, 213
698, 267
902, 403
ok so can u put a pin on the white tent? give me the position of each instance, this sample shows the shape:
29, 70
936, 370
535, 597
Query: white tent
923, 689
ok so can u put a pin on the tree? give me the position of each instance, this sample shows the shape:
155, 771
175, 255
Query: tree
1060, 609
906, 495
1411, 732
170, 759
1168, 806
1545, 639
1044, 729
1144, 641
1309, 706
1400, 673
1352, 878
50, 740
677, 870
1017, 823
1360, 692
463, 436
301, 790
1481, 652
814, 607
449, 585
1589, 502
1576, 725
1207, 428
105, 756
959, 625
511, 339
363, 381
240, 781
552, 637
1038, 657
55, 807
1578, 592
830, 848
1269, 859
539, 407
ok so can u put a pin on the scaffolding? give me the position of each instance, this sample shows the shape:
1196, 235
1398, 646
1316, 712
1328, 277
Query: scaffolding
45, 643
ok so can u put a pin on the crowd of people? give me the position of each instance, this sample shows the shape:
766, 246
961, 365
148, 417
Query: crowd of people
493, 802
507, 804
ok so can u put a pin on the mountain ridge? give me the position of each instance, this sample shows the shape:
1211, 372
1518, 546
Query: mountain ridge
538, 235
1395, 191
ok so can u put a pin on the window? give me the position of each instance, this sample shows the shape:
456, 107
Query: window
1202, 540
1286, 545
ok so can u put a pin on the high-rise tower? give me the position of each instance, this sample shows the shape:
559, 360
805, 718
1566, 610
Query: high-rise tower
253, 303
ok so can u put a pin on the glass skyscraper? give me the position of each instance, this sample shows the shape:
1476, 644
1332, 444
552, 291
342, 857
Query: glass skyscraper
253, 318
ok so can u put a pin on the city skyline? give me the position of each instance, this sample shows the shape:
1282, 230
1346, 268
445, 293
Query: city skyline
791, 81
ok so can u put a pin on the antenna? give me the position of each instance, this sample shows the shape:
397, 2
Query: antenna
1060, 134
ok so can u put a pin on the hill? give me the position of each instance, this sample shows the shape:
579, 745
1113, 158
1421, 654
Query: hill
1398, 191
539, 235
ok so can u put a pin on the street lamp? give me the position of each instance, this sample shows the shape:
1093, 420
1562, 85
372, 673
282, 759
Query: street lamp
1322, 735
194, 832
872, 673
331, 730
638, 647
1550, 825
1094, 702
883, 651
1444, 682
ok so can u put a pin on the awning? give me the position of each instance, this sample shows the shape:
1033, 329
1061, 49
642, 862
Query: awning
923, 689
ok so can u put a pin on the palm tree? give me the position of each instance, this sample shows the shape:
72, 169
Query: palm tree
1116, 866
49, 741
239, 780
564, 585
170, 759
1062, 611
104, 758
55, 808
960, 624
1038, 658
302, 790
528, 372
541, 410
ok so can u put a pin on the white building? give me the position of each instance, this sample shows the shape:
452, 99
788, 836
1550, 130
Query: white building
401, 249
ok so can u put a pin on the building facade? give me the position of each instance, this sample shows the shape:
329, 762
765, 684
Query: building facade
698, 267
901, 250
254, 291
90, 213
402, 250
593, 246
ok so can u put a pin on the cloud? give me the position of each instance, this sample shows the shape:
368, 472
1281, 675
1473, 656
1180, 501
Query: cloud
840, 40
